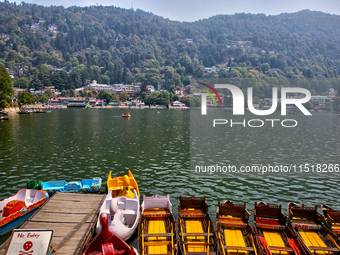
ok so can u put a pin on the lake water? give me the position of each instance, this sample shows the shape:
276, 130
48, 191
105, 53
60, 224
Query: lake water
73, 144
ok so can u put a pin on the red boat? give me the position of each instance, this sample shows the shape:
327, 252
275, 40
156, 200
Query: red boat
106, 243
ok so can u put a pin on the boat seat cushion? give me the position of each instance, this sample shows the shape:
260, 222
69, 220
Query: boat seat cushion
305, 224
269, 224
232, 221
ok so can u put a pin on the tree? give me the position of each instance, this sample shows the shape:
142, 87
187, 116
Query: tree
175, 97
43, 99
222, 73
196, 102
6, 89
26, 98
22, 83
143, 88
265, 67
106, 96
172, 89
123, 96
158, 97
49, 93
336, 104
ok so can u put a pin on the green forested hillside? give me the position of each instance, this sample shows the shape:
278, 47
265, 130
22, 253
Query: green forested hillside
114, 45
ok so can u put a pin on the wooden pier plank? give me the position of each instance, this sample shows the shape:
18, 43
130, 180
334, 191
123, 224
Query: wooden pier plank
60, 217
72, 217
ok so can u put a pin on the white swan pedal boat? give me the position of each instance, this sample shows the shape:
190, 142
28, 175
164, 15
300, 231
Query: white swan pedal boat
123, 213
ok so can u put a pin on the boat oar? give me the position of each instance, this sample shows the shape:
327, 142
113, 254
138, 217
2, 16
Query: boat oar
180, 223
208, 239
333, 241
265, 245
219, 235
293, 245
253, 243
142, 240
172, 239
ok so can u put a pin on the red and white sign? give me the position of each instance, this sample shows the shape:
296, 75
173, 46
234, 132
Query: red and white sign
29, 242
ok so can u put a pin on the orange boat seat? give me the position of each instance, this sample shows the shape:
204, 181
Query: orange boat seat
13, 207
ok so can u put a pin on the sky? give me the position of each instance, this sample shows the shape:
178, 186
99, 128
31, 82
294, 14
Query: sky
192, 10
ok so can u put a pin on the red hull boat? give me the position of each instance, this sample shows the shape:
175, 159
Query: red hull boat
106, 243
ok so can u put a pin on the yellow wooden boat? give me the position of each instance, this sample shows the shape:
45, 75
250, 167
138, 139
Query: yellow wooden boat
274, 235
235, 234
308, 225
195, 229
122, 185
332, 218
156, 231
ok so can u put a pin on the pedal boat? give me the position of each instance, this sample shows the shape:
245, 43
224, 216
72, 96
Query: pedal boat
17, 209
117, 184
123, 210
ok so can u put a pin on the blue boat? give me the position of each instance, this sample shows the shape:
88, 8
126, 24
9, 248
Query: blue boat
87, 185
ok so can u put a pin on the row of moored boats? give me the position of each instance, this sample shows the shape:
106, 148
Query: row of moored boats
304, 231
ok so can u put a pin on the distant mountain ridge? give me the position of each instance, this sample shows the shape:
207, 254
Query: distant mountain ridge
115, 44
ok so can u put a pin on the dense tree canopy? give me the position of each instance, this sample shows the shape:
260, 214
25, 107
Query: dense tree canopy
6, 90
115, 45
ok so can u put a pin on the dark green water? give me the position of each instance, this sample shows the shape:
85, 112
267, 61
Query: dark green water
74, 144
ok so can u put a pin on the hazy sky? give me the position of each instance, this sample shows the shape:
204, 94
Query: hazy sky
191, 10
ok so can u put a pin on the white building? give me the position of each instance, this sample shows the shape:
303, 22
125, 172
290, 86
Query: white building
95, 86
321, 99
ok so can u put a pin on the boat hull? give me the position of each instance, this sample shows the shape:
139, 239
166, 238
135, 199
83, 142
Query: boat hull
16, 222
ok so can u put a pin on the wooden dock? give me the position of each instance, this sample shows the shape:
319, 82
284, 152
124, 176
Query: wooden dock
73, 218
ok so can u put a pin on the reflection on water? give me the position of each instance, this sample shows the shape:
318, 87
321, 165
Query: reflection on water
75, 144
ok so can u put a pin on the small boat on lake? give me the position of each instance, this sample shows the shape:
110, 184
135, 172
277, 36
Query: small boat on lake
87, 185
108, 243
235, 235
157, 227
40, 111
126, 115
24, 112
307, 224
332, 218
17, 209
3, 112
122, 206
274, 235
195, 229
117, 183
4, 118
